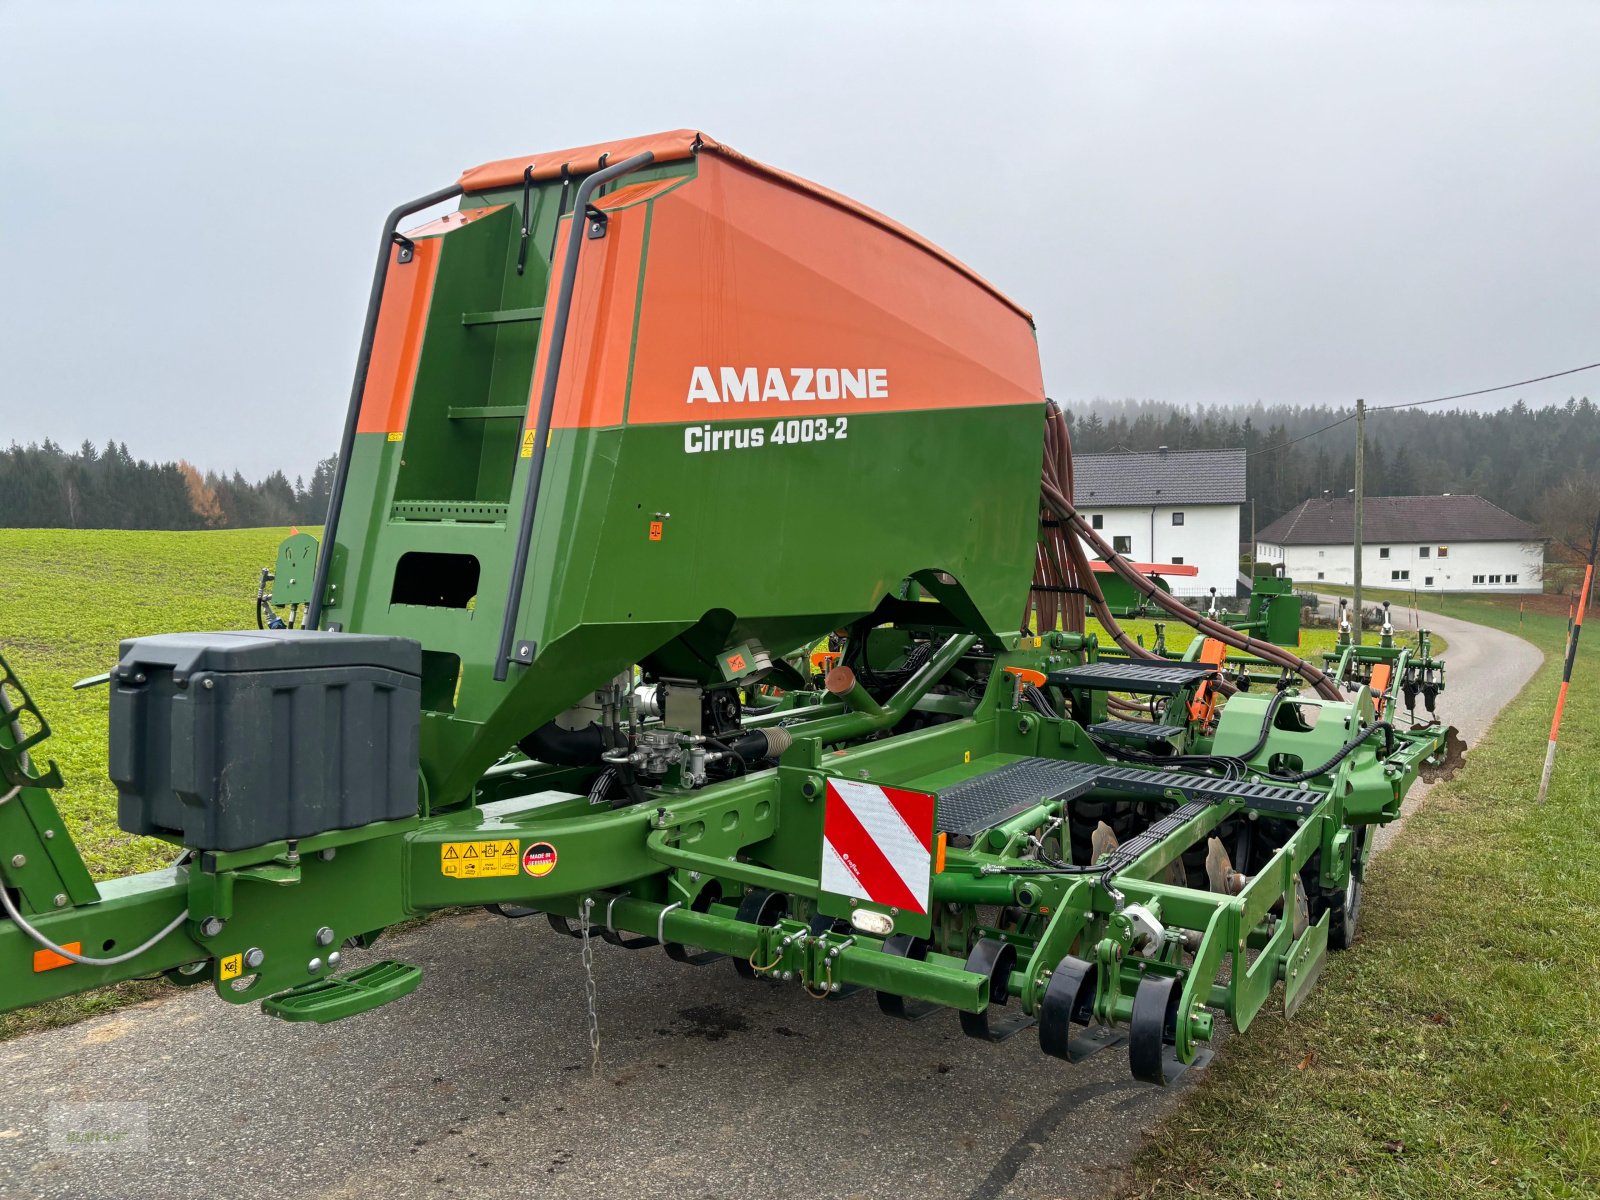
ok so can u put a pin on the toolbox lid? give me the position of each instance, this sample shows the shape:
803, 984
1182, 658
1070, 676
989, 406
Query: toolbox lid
267, 650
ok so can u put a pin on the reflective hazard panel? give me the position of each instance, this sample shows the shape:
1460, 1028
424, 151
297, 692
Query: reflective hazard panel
877, 846
475, 860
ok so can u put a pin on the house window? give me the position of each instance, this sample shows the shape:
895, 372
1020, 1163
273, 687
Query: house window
1177, 560
1321, 575
1097, 521
1444, 551
1399, 574
1427, 581
1322, 553
1177, 518
1383, 552
1122, 545
1422, 552
1511, 578
1477, 579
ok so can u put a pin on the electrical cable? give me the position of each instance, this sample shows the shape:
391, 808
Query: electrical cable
1342, 753
1419, 403
71, 955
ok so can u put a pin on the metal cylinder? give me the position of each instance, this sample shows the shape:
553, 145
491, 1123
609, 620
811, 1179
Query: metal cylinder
842, 682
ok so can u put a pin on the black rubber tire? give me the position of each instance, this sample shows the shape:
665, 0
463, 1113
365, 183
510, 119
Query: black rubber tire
1343, 905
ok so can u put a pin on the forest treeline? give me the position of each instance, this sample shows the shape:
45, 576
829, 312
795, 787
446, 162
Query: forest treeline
1511, 457
45, 487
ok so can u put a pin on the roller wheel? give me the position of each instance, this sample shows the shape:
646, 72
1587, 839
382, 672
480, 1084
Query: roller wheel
1068, 1000
1343, 905
760, 907
995, 960
1153, 1027
891, 1005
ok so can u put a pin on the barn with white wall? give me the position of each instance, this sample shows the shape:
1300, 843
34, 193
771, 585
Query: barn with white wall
1428, 543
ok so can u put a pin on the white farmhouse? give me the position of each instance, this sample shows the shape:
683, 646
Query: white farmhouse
1168, 507
1439, 543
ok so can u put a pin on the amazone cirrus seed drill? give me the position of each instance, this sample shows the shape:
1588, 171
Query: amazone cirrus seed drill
690, 574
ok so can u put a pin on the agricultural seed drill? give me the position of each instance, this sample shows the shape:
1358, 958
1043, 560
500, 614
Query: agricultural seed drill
632, 432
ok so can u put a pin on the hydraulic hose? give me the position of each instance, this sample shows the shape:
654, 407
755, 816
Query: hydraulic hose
1344, 752
1057, 502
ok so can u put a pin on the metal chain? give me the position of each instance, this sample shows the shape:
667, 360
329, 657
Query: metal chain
588, 986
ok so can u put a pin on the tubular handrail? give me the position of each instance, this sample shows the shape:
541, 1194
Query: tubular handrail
547, 399
347, 441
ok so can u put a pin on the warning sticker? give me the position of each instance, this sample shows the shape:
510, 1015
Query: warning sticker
528, 437
539, 859
397, 436
231, 967
475, 860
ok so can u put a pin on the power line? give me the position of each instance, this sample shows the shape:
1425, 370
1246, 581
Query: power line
1502, 387
1485, 391
1302, 437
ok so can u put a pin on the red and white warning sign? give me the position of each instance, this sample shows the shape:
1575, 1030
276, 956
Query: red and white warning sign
877, 844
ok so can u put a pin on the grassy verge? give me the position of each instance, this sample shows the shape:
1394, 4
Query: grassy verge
66, 598
1312, 641
1455, 1051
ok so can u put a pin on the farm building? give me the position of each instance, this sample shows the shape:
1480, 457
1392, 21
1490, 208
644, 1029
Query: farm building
1169, 507
1446, 543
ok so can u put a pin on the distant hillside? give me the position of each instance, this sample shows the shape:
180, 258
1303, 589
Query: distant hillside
1508, 457
45, 487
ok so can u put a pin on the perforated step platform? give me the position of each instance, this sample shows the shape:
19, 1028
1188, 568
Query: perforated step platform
984, 801
1137, 731
1145, 677
1274, 797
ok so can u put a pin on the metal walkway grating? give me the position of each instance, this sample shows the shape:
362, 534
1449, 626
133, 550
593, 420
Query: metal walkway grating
1149, 678
984, 801
1138, 731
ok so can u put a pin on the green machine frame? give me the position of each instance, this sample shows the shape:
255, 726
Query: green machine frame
1101, 879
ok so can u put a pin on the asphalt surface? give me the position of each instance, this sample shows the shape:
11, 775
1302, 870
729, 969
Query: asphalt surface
479, 1084
1484, 670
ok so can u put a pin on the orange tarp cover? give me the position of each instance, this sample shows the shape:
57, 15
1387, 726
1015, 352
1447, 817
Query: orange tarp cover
680, 144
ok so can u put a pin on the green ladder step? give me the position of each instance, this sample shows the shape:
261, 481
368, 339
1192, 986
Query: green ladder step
341, 996
502, 316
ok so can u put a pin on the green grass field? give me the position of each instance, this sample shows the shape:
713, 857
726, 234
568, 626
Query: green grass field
68, 597
1312, 641
1455, 1051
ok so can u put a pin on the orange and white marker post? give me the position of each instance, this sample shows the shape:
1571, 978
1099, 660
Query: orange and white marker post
1566, 682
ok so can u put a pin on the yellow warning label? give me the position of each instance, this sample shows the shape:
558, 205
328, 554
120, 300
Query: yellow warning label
475, 860
397, 436
527, 443
231, 967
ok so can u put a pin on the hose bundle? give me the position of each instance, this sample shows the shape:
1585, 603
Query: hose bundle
1071, 532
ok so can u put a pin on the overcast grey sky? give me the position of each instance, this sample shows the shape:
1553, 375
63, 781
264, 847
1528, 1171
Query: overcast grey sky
1283, 202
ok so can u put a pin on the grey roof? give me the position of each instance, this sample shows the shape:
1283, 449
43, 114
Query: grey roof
1443, 519
1142, 480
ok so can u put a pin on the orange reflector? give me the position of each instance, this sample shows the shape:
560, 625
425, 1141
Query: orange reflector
49, 960
938, 855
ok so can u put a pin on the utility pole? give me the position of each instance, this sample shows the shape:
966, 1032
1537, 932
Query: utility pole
1361, 455
1252, 542
1571, 656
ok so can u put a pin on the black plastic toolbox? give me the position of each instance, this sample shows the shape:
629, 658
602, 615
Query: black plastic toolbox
223, 741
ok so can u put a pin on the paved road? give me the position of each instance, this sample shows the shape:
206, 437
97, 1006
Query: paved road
1484, 670
478, 1085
